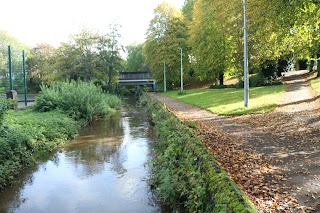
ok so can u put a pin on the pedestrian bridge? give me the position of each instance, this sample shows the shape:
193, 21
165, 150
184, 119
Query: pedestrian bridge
137, 78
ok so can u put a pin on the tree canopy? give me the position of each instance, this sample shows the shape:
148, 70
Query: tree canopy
167, 33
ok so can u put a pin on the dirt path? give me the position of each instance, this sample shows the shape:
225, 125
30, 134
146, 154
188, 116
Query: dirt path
274, 157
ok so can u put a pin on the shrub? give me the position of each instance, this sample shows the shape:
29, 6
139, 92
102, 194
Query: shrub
3, 105
257, 80
81, 100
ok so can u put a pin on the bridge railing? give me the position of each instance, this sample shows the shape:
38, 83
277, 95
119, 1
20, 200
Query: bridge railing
134, 75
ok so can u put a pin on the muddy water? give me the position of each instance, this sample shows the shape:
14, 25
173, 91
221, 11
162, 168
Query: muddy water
102, 170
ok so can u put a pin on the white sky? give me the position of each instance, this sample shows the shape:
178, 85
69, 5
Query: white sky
52, 21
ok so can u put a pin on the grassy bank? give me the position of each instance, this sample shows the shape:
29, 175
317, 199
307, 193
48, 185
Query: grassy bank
59, 112
27, 135
230, 100
185, 175
315, 84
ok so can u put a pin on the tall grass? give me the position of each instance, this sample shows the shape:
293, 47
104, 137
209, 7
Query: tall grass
81, 100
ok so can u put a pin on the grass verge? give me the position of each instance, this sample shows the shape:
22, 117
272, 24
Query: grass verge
184, 174
230, 100
315, 84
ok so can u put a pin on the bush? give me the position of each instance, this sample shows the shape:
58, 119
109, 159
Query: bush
219, 86
81, 100
257, 80
184, 174
27, 135
3, 105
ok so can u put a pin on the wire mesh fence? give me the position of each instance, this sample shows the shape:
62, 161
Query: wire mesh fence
12, 75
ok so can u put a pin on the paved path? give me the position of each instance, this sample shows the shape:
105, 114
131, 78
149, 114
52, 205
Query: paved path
274, 157
299, 96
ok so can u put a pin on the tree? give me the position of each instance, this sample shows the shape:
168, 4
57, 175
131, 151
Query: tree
215, 38
135, 58
79, 57
167, 33
41, 61
188, 9
276, 29
90, 56
109, 52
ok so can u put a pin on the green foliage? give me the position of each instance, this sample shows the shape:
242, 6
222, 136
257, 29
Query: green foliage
167, 33
135, 58
182, 92
3, 105
185, 175
230, 100
27, 135
79, 99
315, 84
41, 64
16, 60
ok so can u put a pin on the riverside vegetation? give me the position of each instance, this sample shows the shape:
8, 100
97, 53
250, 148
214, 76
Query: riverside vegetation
60, 110
184, 174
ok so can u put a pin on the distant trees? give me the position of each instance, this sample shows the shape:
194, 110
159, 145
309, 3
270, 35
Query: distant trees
87, 56
135, 58
40, 62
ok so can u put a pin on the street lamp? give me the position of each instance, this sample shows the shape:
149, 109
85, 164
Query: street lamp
246, 78
164, 76
181, 70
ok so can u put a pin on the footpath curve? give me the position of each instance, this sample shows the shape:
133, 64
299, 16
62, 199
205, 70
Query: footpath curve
274, 157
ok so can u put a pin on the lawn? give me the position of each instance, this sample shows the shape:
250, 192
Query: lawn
230, 100
315, 84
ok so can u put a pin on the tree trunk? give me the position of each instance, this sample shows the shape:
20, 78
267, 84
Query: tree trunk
296, 61
221, 77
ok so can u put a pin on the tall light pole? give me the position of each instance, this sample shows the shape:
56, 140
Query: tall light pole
181, 70
164, 76
246, 77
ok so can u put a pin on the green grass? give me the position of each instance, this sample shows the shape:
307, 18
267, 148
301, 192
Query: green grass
26, 136
230, 100
315, 84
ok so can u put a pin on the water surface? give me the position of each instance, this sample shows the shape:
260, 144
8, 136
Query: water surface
103, 170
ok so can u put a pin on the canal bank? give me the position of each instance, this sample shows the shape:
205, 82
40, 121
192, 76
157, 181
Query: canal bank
103, 170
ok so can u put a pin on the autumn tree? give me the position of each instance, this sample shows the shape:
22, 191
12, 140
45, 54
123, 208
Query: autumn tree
167, 33
216, 38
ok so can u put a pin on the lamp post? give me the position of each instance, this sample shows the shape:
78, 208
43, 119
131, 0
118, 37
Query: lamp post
181, 70
246, 77
164, 76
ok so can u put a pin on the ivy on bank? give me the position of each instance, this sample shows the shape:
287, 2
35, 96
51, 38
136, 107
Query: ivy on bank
184, 174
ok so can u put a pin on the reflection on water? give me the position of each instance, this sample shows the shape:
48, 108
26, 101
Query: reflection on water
102, 170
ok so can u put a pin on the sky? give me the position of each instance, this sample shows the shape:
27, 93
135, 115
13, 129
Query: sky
52, 21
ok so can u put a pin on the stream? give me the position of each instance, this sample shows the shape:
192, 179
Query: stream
103, 170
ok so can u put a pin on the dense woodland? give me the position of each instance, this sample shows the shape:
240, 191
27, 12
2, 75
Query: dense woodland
282, 35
